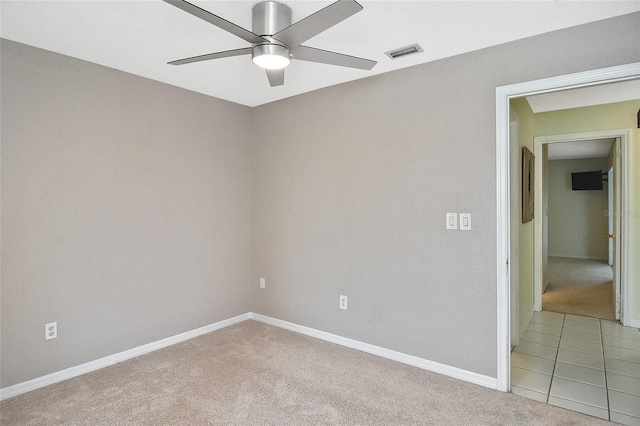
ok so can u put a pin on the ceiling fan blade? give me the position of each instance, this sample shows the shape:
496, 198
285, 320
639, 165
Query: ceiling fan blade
209, 56
216, 20
316, 23
276, 77
312, 54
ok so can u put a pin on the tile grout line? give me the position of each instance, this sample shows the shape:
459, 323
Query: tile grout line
555, 362
588, 384
604, 365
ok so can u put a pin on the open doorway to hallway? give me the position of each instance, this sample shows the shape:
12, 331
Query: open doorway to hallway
567, 222
579, 195
578, 221
570, 358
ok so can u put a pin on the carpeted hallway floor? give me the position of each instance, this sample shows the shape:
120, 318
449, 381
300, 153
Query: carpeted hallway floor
256, 374
579, 287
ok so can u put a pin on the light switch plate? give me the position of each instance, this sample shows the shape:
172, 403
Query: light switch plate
465, 221
452, 221
263, 283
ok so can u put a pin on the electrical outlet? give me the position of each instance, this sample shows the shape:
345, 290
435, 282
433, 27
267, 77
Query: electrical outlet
263, 283
50, 330
343, 302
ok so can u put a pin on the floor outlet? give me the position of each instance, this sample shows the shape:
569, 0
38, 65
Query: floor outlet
50, 331
343, 302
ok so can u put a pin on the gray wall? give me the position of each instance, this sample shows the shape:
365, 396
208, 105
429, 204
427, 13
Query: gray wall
132, 210
577, 222
351, 185
125, 211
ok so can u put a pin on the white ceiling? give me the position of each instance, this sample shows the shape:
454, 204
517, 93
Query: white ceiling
141, 36
596, 148
585, 96
582, 97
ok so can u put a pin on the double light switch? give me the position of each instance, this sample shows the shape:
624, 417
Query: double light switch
465, 221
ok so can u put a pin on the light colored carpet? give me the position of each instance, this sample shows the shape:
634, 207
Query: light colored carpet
255, 374
580, 287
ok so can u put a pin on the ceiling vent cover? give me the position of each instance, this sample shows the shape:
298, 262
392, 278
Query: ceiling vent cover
404, 51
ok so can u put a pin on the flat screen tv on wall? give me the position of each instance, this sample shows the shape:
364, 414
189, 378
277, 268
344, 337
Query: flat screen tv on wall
587, 181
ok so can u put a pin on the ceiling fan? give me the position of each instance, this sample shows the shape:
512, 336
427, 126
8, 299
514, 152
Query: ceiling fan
275, 41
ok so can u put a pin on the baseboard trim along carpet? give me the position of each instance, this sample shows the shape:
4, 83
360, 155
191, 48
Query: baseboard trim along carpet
49, 379
436, 367
68, 373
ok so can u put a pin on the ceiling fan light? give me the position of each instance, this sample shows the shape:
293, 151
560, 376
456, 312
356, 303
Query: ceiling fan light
271, 62
271, 56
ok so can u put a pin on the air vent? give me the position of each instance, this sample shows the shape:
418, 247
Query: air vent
404, 51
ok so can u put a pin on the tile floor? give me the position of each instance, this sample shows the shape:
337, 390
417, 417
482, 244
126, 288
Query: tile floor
580, 363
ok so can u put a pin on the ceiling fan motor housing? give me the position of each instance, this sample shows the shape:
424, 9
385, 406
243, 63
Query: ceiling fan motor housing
268, 18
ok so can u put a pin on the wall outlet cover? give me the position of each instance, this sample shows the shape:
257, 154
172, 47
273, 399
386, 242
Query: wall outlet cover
343, 302
50, 331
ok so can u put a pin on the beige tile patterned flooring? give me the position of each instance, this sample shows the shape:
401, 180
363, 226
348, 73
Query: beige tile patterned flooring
580, 363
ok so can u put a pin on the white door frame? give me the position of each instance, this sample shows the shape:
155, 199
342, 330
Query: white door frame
611, 207
622, 190
504, 94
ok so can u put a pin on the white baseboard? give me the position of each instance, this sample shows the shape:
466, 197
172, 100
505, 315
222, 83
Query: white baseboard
58, 376
447, 370
49, 379
525, 324
635, 323
579, 256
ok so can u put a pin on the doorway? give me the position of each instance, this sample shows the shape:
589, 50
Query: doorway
503, 217
573, 225
616, 160
561, 359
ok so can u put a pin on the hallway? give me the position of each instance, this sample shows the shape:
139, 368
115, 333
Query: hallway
580, 363
580, 287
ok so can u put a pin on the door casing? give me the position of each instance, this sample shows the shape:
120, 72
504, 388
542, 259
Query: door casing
504, 94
